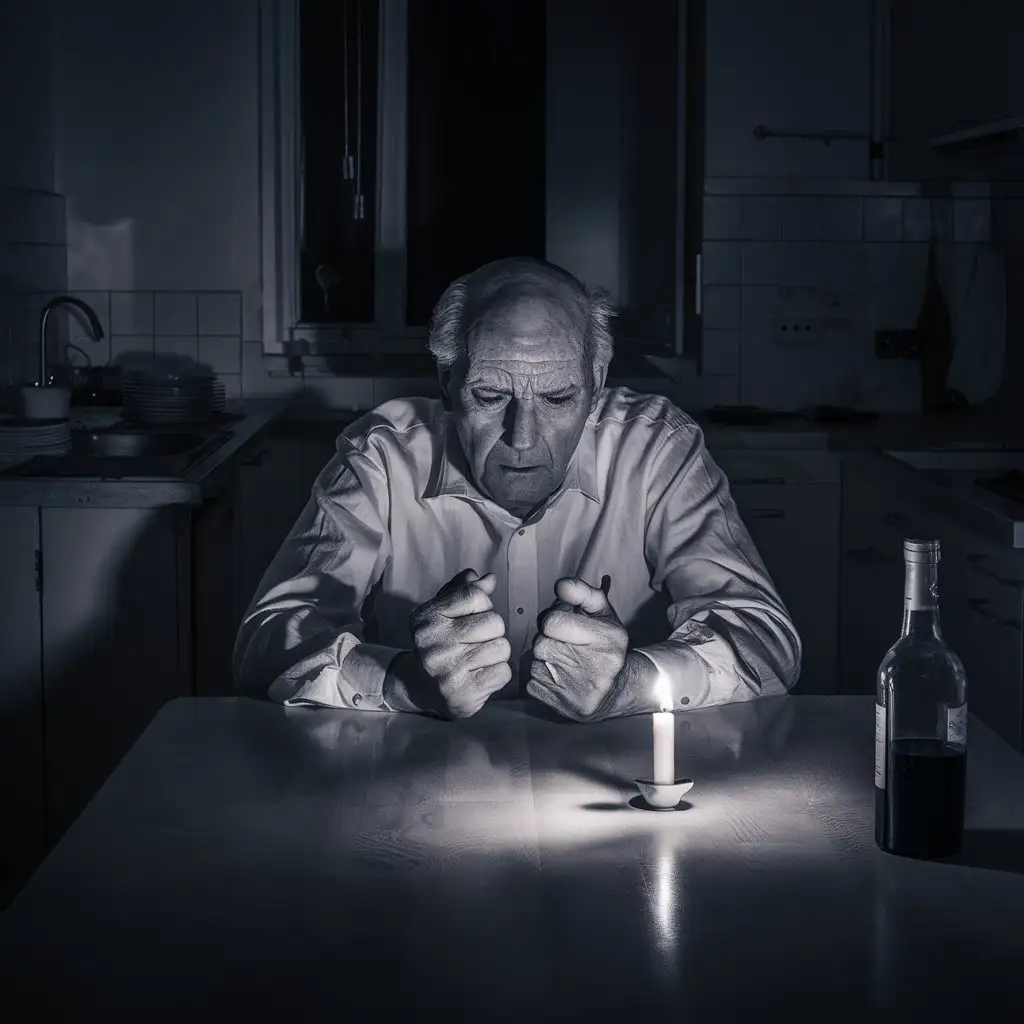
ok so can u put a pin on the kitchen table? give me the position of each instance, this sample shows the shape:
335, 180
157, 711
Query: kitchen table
312, 865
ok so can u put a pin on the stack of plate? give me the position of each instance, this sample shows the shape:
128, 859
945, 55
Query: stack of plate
22, 439
152, 397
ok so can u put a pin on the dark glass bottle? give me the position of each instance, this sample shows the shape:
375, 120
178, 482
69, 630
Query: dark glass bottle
920, 724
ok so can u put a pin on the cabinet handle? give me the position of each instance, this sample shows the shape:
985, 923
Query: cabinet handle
774, 480
258, 458
766, 513
978, 560
981, 606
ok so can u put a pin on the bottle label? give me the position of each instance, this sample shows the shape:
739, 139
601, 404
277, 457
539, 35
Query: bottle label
880, 745
956, 724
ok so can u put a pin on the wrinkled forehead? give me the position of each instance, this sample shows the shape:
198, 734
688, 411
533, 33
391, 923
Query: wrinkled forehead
525, 320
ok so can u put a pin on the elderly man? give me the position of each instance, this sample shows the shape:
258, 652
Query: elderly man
529, 533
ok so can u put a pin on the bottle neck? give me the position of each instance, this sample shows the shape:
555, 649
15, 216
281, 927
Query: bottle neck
921, 601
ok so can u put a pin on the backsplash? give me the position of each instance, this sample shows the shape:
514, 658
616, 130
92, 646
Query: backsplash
33, 260
799, 274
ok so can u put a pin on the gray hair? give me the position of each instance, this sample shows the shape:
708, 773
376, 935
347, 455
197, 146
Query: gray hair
447, 337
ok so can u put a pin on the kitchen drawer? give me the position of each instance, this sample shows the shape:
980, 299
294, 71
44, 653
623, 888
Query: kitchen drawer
745, 467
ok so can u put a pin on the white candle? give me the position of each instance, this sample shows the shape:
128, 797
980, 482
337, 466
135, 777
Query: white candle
664, 736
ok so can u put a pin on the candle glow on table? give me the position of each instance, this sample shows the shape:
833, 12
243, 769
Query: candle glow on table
664, 734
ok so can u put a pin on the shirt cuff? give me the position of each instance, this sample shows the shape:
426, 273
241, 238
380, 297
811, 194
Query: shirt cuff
362, 675
688, 679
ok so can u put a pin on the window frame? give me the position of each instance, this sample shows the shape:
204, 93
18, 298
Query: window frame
280, 132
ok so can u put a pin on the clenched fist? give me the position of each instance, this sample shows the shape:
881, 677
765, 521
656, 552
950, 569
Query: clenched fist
460, 646
579, 651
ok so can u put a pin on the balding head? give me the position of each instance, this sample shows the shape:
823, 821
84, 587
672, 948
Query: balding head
498, 288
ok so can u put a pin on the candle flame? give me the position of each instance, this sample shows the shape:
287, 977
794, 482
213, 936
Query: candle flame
663, 691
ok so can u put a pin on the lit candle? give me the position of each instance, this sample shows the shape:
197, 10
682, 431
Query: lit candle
664, 735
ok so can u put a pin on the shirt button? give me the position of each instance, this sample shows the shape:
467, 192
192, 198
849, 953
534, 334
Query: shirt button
519, 610
522, 533
357, 699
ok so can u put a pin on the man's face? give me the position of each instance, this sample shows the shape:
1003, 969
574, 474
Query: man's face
521, 397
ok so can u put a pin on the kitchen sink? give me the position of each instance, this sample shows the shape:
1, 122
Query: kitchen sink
132, 443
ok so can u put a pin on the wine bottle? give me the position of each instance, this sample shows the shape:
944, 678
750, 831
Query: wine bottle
920, 724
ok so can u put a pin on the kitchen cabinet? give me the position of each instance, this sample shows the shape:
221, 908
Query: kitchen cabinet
790, 504
953, 65
215, 615
115, 587
21, 701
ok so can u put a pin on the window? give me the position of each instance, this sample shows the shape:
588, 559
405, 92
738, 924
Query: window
417, 145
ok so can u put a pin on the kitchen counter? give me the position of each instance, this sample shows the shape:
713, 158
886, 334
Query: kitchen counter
193, 487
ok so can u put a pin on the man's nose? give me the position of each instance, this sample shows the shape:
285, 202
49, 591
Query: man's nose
524, 425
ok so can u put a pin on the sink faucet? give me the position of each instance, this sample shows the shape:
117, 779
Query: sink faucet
64, 300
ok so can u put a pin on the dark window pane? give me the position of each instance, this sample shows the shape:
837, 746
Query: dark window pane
338, 99
475, 140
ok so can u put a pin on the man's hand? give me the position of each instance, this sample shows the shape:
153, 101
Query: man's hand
460, 644
579, 651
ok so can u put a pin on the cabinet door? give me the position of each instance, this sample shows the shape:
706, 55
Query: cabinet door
215, 600
113, 653
796, 529
273, 488
21, 701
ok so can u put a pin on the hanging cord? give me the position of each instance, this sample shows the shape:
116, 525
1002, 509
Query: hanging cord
346, 160
359, 212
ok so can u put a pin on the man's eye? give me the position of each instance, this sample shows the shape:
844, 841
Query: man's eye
558, 399
487, 398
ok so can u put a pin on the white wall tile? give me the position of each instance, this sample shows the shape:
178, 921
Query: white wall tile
220, 313
883, 219
722, 307
780, 263
895, 283
338, 393
723, 263
132, 350
179, 346
971, 220
721, 352
821, 218
175, 313
223, 354
132, 312
761, 217
722, 217
917, 220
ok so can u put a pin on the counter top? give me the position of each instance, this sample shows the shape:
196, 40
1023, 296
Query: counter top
254, 861
192, 488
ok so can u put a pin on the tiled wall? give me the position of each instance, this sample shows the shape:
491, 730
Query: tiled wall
32, 261
798, 276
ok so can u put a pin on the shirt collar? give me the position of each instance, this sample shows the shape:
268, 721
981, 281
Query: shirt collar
450, 473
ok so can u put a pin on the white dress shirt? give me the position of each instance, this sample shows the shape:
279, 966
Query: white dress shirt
394, 516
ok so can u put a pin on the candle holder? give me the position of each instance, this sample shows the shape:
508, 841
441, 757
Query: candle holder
663, 796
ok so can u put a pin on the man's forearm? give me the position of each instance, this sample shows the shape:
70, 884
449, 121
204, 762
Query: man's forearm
635, 692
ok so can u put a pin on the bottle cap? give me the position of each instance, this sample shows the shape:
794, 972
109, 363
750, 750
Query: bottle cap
923, 551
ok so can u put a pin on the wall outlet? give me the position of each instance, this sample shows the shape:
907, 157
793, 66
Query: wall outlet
897, 344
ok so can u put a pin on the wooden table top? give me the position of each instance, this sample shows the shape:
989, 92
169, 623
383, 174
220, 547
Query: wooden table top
312, 865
